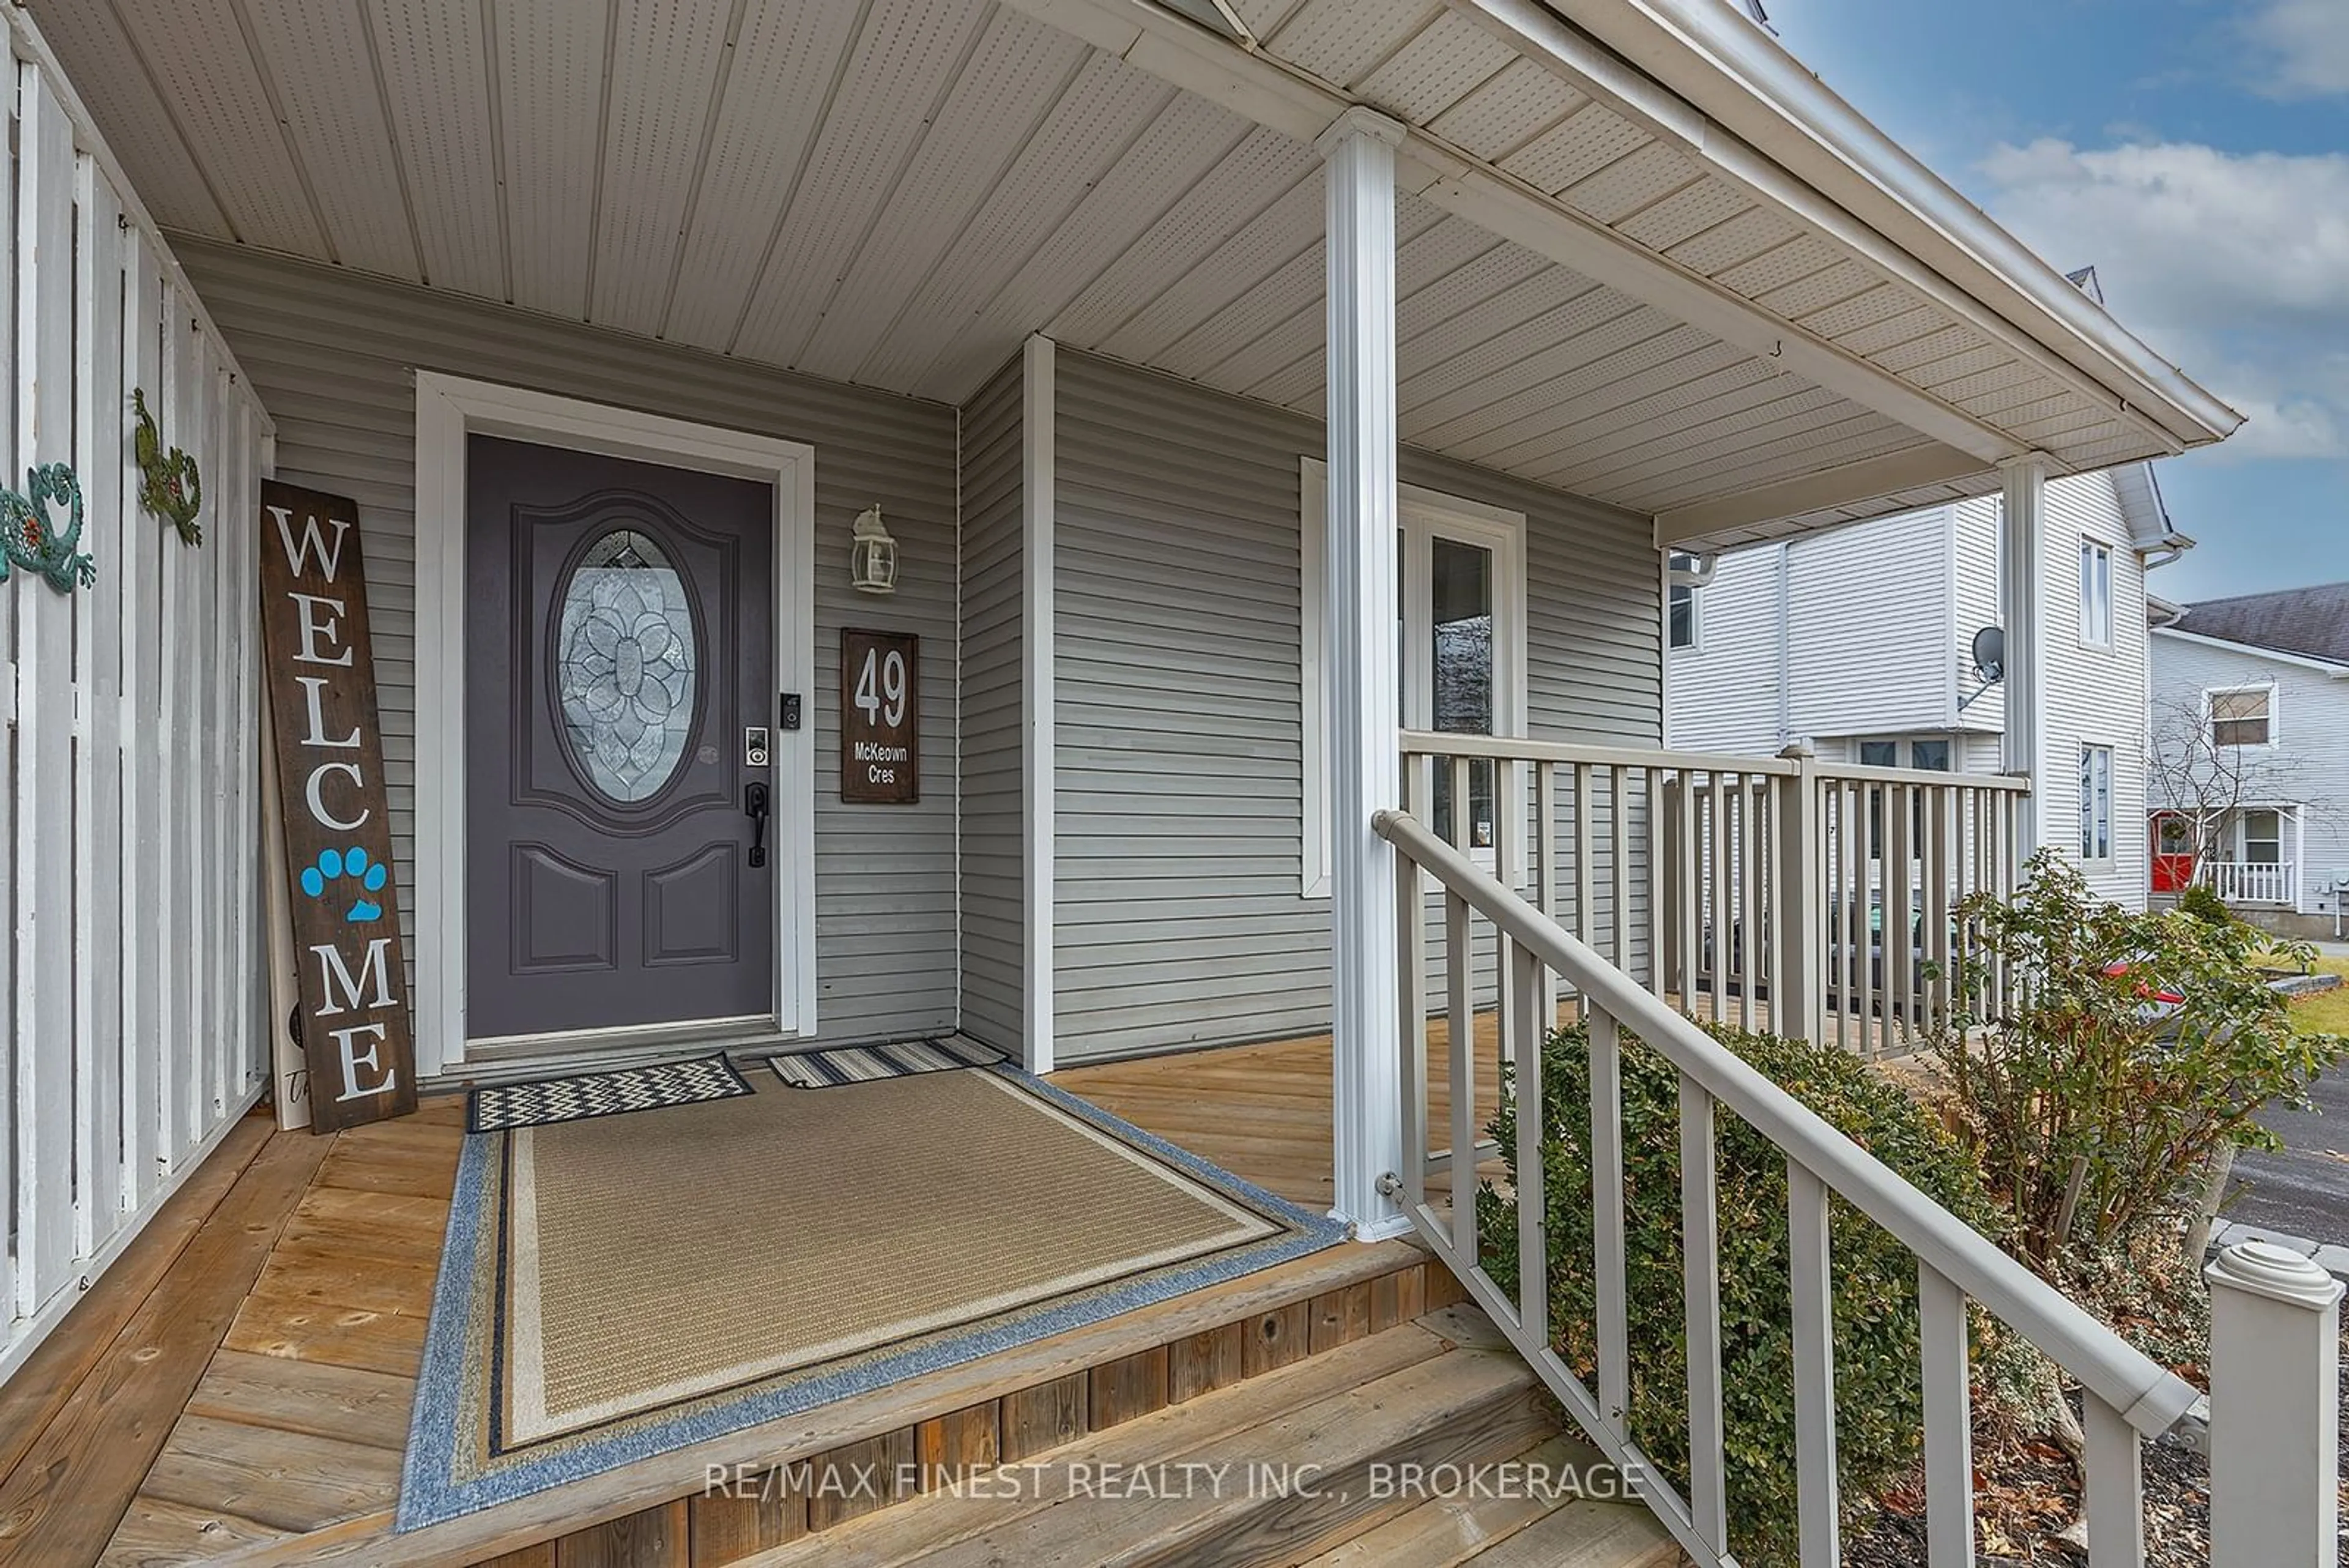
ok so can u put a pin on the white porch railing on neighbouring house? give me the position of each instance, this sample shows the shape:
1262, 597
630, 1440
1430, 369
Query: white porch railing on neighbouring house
2269, 1342
1809, 898
2249, 882
130, 835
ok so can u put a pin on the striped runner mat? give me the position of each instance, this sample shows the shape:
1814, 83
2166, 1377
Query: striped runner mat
863, 1063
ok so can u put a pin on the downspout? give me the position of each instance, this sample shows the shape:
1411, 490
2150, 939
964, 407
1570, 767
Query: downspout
1786, 644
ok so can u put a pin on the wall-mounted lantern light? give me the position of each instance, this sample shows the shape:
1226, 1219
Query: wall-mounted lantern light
872, 555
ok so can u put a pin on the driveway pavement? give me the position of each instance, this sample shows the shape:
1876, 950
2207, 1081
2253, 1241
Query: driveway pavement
2302, 1189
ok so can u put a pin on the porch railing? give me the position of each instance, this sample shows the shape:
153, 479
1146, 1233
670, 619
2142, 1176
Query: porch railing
2127, 1396
2249, 882
130, 840
1810, 899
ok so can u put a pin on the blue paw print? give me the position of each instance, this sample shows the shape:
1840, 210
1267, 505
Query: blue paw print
334, 865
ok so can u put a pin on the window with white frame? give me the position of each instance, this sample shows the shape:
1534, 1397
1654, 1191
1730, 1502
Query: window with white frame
2096, 803
2242, 716
1680, 609
2095, 594
1463, 627
2263, 836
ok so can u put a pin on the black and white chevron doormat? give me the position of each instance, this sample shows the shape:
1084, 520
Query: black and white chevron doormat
502, 1106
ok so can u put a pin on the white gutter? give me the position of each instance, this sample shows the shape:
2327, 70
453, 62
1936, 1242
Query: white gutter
1739, 76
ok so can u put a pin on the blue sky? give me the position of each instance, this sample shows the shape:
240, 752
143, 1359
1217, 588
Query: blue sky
2197, 151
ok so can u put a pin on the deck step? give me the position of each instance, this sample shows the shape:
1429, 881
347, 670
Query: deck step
1533, 1516
1275, 1471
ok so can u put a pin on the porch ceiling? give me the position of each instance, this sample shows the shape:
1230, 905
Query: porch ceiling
895, 193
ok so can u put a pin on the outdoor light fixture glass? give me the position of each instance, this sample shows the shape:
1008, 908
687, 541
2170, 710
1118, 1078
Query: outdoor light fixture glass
872, 555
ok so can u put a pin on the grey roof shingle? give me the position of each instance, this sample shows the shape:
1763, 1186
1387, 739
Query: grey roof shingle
2310, 621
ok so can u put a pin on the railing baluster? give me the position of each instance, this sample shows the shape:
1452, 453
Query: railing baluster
1533, 1250
1460, 970
1948, 1422
2116, 1488
1507, 808
1817, 1503
1657, 880
1607, 1222
1717, 903
1619, 840
1834, 849
1688, 881
1861, 918
1701, 1279
1545, 881
1749, 923
1411, 939
1585, 918
1899, 927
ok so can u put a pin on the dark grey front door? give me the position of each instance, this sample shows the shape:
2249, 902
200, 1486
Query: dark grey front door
618, 639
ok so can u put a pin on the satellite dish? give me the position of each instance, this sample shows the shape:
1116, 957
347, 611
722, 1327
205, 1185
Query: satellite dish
1989, 654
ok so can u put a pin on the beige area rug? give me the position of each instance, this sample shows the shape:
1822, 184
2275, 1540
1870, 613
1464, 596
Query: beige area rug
622, 1285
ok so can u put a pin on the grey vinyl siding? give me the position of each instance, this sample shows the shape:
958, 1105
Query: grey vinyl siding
1179, 758
994, 854
333, 356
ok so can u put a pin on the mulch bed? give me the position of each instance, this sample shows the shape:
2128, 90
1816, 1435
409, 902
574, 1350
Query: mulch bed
2022, 1507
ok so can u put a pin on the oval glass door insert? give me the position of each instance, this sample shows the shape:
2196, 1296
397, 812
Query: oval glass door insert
625, 661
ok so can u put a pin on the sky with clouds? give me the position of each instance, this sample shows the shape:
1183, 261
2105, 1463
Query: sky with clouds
2197, 153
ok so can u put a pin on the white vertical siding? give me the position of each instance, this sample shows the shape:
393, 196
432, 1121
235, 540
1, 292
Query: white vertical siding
2310, 760
2095, 696
334, 356
994, 909
1180, 757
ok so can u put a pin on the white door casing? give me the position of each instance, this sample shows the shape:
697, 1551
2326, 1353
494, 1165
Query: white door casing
449, 409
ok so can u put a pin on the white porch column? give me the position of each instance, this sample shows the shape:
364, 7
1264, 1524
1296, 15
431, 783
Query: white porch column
1362, 713
2022, 554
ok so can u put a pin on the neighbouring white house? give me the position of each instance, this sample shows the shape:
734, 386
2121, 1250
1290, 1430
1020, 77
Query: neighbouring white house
891, 540
1881, 644
2250, 743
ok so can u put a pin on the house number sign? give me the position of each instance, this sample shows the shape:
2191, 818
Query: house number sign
353, 1016
880, 716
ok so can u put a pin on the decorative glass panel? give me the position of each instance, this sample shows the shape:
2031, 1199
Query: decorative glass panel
627, 658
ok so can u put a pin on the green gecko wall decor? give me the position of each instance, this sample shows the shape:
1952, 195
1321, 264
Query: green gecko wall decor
26, 538
170, 487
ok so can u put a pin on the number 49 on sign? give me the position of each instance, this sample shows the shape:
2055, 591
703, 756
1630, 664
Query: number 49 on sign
880, 716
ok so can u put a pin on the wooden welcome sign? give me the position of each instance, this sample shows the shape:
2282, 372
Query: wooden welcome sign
352, 977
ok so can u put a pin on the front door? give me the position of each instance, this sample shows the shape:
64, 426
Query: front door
619, 638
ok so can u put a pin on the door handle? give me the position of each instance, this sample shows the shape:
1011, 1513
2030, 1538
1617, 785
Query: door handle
755, 805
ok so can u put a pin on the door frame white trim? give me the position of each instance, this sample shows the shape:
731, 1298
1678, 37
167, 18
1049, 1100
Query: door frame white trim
448, 408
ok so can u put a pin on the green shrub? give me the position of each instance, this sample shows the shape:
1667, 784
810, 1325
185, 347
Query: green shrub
2094, 1107
1878, 1425
2202, 901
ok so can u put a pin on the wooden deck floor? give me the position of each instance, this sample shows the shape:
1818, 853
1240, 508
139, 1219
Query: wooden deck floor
245, 1374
